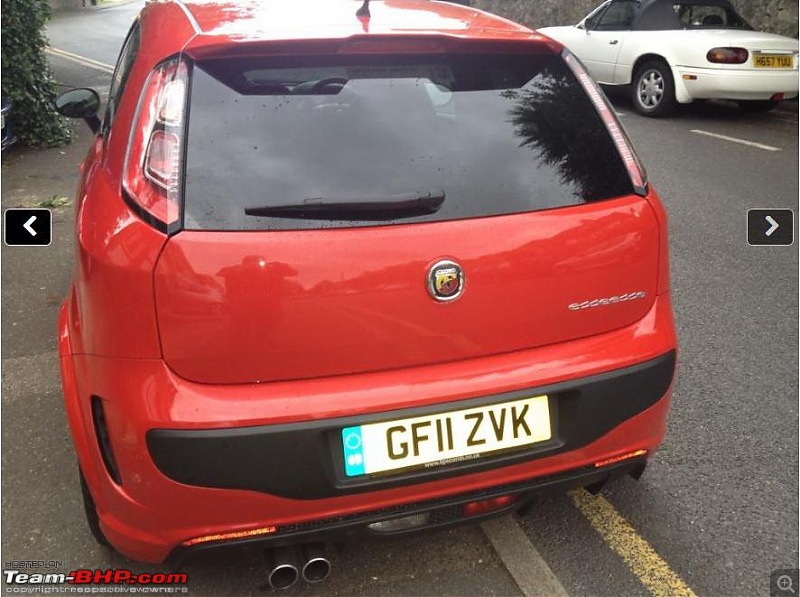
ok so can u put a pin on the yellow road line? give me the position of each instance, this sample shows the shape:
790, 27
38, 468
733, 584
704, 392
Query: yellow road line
83, 60
649, 567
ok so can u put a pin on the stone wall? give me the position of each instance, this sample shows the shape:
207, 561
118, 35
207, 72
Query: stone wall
777, 16
63, 4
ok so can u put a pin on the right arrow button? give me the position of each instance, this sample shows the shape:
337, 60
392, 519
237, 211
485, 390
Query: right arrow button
773, 225
770, 227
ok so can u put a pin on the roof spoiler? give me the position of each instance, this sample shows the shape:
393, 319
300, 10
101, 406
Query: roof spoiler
211, 46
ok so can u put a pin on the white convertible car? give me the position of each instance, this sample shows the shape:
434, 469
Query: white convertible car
672, 51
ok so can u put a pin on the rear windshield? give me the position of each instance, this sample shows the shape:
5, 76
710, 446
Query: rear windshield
492, 134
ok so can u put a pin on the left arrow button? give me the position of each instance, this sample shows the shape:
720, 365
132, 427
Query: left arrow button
27, 225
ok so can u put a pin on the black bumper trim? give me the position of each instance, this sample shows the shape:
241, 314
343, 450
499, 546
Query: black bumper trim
304, 460
444, 512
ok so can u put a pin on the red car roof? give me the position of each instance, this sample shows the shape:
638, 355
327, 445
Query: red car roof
250, 20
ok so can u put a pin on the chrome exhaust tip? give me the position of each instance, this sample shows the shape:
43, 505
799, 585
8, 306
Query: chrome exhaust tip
317, 566
283, 567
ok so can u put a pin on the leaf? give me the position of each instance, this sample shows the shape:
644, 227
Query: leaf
54, 201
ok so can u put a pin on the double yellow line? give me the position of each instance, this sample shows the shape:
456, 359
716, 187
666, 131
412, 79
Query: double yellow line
101, 66
649, 567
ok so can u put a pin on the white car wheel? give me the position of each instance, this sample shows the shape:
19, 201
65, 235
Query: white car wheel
653, 89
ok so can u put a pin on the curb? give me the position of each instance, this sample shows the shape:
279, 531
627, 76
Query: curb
106, 4
103, 5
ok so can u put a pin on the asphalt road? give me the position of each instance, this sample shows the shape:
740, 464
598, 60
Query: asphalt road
718, 502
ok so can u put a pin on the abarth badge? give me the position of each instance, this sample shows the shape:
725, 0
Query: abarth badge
445, 281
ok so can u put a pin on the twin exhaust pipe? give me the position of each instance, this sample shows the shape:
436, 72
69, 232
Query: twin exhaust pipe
286, 564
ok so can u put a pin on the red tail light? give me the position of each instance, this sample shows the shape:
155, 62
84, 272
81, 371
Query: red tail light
632, 163
727, 55
231, 536
490, 505
615, 459
152, 175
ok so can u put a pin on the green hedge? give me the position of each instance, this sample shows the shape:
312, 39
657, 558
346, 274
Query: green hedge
27, 80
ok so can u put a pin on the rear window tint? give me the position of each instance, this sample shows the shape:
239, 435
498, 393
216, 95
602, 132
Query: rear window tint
496, 134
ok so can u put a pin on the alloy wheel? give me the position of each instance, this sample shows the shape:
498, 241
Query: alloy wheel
650, 89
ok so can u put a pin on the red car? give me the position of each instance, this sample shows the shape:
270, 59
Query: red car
348, 268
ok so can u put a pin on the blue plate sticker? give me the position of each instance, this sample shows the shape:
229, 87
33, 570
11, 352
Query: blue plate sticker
353, 451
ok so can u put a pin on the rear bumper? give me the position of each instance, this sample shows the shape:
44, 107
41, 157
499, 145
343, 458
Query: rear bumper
734, 84
442, 512
156, 510
311, 463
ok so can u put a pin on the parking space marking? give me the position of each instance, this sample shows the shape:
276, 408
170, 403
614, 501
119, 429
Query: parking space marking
523, 562
773, 117
737, 140
649, 567
83, 60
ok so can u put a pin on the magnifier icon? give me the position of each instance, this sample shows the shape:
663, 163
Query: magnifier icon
785, 583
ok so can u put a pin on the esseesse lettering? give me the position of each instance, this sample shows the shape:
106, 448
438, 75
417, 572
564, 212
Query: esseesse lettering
610, 300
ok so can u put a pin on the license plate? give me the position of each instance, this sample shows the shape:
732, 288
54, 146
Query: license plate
772, 61
444, 438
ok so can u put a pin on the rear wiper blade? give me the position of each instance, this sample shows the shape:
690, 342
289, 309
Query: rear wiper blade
392, 207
